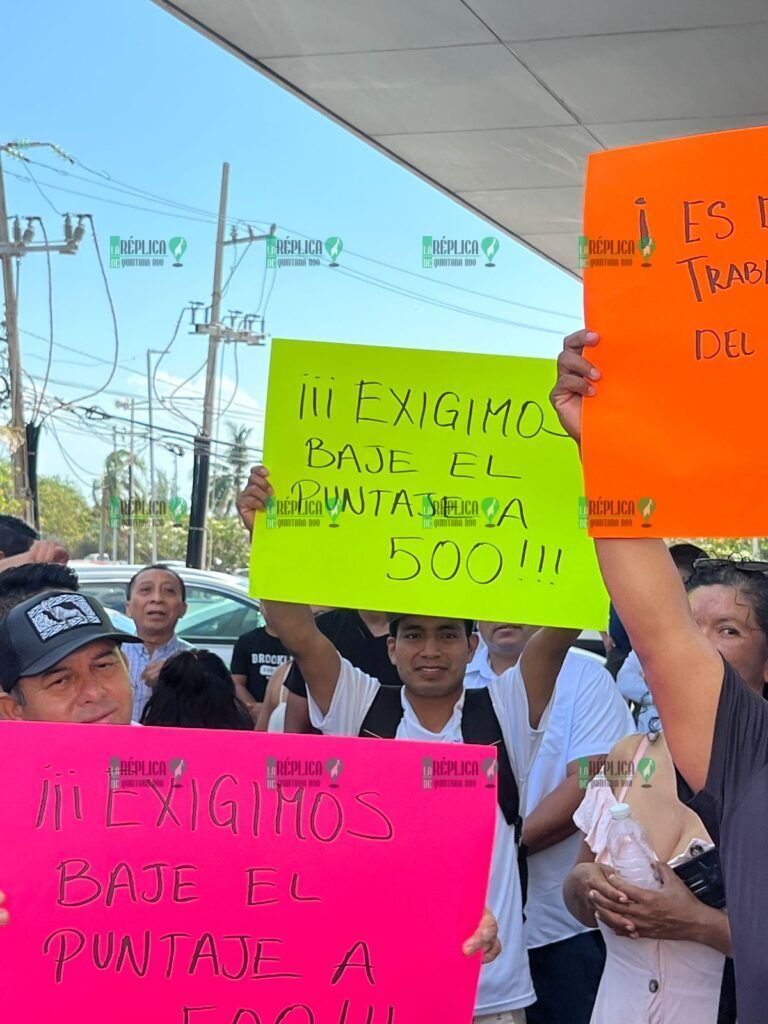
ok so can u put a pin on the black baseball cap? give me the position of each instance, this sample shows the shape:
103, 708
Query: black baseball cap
41, 631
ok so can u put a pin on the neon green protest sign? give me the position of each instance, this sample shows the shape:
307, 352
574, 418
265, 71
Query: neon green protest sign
427, 482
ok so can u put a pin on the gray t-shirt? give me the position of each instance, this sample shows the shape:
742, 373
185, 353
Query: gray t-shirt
734, 807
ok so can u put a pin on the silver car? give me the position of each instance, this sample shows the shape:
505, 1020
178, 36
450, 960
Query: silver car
219, 608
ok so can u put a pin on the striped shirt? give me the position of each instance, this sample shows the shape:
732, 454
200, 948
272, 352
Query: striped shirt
138, 657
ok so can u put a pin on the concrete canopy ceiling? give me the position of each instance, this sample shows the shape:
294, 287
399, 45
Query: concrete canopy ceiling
499, 102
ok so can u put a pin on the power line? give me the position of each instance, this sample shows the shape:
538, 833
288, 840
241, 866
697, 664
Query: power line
70, 462
183, 384
242, 410
172, 410
234, 389
235, 268
95, 413
114, 202
80, 352
124, 187
209, 215
39, 189
239, 407
397, 290
113, 367
445, 284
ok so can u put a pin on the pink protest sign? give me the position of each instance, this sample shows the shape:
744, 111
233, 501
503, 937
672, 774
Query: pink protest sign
175, 876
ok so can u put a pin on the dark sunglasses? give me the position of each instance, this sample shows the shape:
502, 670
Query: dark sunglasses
741, 565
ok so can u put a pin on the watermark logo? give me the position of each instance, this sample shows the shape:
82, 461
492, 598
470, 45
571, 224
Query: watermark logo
333, 507
302, 252
606, 252
620, 252
271, 510
443, 252
490, 247
290, 513
583, 513
490, 768
308, 773
145, 252
625, 513
177, 507
333, 247
133, 773
490, 507
125, 512
646, 244
615, 773
647, 507
427, 513
334, 766
646, 766
448, 512
178, 247
452, 772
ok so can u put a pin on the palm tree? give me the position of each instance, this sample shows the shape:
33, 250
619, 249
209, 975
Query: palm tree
162, 486
229, 476
239, 459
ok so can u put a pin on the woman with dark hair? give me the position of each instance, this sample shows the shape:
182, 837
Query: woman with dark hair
195, 690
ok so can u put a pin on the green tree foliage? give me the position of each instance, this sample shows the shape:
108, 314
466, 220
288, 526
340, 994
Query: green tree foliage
228, 543
230, 473
65, 514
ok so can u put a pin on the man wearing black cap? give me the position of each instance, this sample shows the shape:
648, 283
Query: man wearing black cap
60, 661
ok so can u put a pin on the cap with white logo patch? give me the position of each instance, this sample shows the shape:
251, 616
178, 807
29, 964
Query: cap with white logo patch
43, 630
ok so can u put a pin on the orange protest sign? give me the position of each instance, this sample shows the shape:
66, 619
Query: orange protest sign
675, 257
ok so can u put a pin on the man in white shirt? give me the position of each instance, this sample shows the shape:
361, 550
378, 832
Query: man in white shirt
586, 718
431, 655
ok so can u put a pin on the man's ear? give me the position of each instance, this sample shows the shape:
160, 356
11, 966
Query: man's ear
474, 640
391, 648
10, 709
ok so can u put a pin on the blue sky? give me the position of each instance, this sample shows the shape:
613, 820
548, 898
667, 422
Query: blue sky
138, 98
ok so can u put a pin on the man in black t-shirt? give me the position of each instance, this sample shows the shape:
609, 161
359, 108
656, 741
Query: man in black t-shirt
358, 636
256, 656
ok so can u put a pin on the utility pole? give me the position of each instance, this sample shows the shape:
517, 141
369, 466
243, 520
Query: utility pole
18, 443
131, 492
115, 520
153, 523
103, 518
131, 404
24, 438
216, 331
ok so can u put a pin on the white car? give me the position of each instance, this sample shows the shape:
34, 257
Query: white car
219, 608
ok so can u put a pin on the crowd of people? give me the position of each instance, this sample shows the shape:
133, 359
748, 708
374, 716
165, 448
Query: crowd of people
565, 939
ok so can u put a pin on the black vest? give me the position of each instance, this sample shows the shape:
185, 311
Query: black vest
479, 724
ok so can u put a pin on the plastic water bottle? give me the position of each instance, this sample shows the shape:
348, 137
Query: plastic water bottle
630, 852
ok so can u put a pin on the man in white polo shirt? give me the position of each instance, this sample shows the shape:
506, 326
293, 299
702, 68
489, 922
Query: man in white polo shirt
431, 654
587, 717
